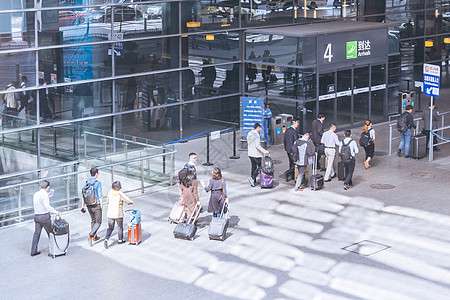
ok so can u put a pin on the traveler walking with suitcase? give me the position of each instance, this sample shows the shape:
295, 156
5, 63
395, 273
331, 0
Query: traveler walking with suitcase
330, 141
93, 199
366, 140
347, 151
218, 187
289, 138
115, 200
189, 192
405, 123
255, 152
42, 210
303, 152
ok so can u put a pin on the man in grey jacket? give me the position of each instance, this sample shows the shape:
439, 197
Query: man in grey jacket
305, 154
255, 152
426, 125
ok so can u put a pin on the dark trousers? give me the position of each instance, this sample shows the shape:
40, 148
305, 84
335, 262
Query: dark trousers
427, 133
96, 218
256, 165
110, 229
319, 155
42, 220
291, 172
349, 169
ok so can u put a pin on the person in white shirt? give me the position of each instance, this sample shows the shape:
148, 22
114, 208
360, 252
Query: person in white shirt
42, 210
349, 162
255, 152
330, 140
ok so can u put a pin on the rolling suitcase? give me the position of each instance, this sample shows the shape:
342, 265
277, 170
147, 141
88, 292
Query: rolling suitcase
177, 213
58, 238
218, 226
341, 171
419, 146
316, 180
187, 230
134, 227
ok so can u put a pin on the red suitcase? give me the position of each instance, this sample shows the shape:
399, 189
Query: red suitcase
134, 234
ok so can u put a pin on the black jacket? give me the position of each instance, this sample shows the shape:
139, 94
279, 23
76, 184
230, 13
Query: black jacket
290, 136
316, 131
410, 120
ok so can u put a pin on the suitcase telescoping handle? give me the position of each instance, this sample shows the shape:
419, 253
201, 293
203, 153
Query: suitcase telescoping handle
221, 211
315, 164
199, 207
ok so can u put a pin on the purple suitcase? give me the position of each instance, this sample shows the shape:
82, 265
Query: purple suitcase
265, 180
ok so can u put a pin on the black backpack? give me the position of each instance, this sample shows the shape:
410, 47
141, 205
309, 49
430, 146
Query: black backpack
402, 123
88, 193
346, 152
267, 165
364, 139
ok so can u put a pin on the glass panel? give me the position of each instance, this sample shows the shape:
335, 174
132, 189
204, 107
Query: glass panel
326, 84
277, 49
13, 64
361, 94
16, 29
223, 47
378, 93
146, 55
344, 87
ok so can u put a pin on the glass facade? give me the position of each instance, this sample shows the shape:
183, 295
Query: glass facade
161, 70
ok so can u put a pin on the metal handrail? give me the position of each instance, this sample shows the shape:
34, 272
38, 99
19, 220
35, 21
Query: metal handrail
125, 140
85, 171
15, 174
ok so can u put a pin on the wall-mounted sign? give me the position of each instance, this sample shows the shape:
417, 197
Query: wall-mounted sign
252, 112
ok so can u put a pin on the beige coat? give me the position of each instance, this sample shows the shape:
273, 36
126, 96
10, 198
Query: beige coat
115, 204
191, 198
254, 144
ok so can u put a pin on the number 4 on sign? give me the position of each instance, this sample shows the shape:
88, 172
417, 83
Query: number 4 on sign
327, 54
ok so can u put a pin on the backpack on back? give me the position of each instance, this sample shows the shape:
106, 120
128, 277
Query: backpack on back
267, 165
364, 139
346, 152
402, 123
88, 193
294, 152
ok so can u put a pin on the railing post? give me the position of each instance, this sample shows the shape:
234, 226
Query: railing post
125, 148
235, 156
74, 144
85, 148
207, 163
104, 147
442, 124
55, 151
164, 162
142, 176
172, 167
390, 140
112, 173
20, 203
68, 192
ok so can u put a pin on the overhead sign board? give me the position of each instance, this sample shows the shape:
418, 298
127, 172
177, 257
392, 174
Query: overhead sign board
351, 47
431, 79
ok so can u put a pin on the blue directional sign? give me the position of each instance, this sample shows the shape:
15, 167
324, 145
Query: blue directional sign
431, 79
252, 112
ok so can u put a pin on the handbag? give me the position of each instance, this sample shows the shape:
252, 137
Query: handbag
60, 226
181, 199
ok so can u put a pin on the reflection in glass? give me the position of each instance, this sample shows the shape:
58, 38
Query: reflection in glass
361, 94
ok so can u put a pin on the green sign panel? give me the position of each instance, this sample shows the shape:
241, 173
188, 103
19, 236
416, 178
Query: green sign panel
352, 50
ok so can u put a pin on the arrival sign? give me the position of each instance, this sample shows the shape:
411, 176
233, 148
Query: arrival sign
431, 76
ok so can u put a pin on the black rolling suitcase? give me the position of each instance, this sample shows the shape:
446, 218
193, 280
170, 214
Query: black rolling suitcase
341, 171
187, 230
316, 180
419, 146
218, 226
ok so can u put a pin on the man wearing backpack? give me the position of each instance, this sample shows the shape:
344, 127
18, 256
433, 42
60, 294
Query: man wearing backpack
348, 149
255, 152
303, 158
404, 125
93, 199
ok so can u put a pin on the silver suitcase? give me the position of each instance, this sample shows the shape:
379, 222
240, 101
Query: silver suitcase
218, 226
419, 146
58, 244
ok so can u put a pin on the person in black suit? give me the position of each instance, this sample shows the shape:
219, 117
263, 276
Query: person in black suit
290, 136
316, 137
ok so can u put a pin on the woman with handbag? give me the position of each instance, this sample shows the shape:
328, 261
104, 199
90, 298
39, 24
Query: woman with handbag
218, 188
189, 193
366, 140
116, 198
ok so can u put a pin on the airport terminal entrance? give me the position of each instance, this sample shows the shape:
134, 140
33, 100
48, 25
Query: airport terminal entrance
338, 69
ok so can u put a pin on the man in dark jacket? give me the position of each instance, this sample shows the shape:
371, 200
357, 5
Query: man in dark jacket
406, 136
426, 125
290, 136
316, 137
305, 156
